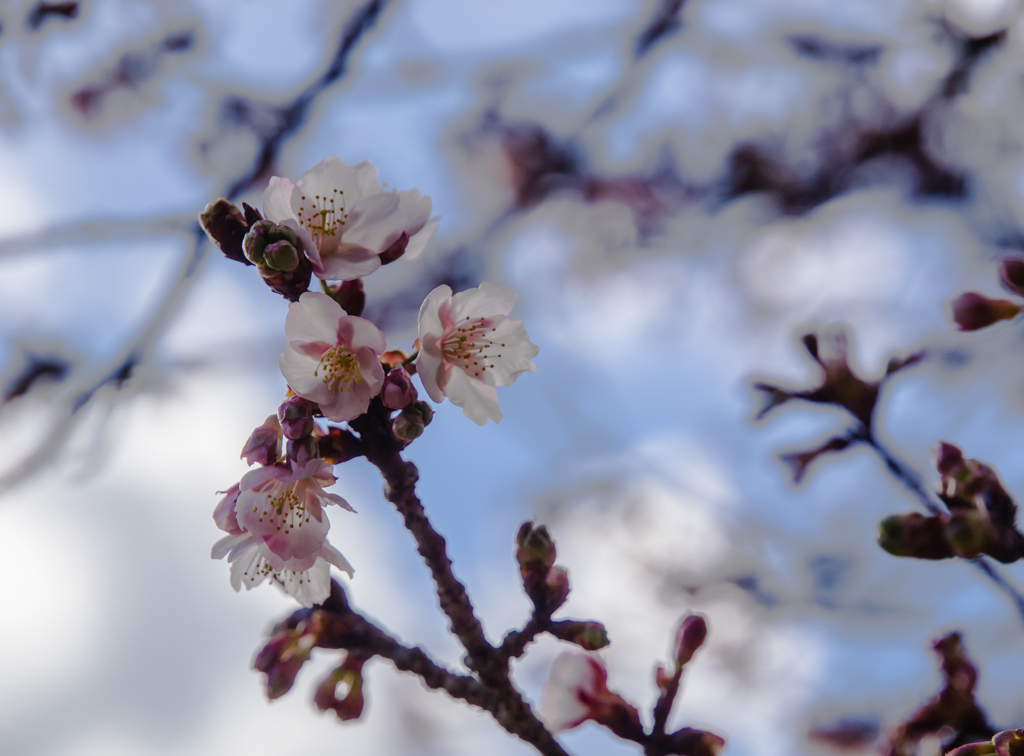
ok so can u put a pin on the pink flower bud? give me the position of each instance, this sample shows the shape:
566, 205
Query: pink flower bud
398, 392
691, 635
556, 588
296, 416
264, 444
973, 311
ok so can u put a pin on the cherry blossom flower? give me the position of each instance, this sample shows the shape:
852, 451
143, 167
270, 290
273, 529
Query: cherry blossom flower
576, 682
332, 358
277, 528
576, 691
472, 333
344, 218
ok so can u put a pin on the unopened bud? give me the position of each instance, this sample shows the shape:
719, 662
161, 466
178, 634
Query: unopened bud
284, 654
263, 235
948, 458
398, 391
349, 294
914, 535
346, 680
409, 425
590, 636
282, 256
302, 450
973, 311
1009, 743
1011, 273
690, 636
965, 533
556, 589
296, 416
264, 444
535, 553
227, 226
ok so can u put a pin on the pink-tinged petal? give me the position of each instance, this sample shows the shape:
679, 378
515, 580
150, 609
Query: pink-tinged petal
430, 319
245, 568
345, 405
299, 371
509, 353
292, 534
370, 369
227, 544
377, 222
335, 557
348, 261
318, 469
431, 368
311, 587
485, 301
356, 333
479, 401
224, 512
313, 318
277, 200
255, 479
365, 181
330, 498
419, 241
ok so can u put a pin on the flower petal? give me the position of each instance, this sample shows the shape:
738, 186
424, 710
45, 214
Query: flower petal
347, 262
336, 558
479, 401
420, 240
486, 300
431, 368
277, 200
355, 333
313, 318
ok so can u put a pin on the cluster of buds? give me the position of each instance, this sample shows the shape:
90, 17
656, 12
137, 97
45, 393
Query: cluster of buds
981, 516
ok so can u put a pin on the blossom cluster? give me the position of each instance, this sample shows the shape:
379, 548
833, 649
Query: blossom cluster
337, 224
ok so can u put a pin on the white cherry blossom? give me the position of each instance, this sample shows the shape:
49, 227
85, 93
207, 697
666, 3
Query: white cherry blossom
332, 358
469, 345
345, 219
577, 683
277, 528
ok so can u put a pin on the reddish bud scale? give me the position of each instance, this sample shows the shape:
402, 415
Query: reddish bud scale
973, 311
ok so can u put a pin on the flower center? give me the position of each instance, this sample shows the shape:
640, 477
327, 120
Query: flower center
285, 510
322, 215
470, 347
338, 368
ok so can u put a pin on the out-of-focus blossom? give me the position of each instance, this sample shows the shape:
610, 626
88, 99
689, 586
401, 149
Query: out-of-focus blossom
345, 220
264, 444
332, 358
576, 691
277, 528
469, 345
